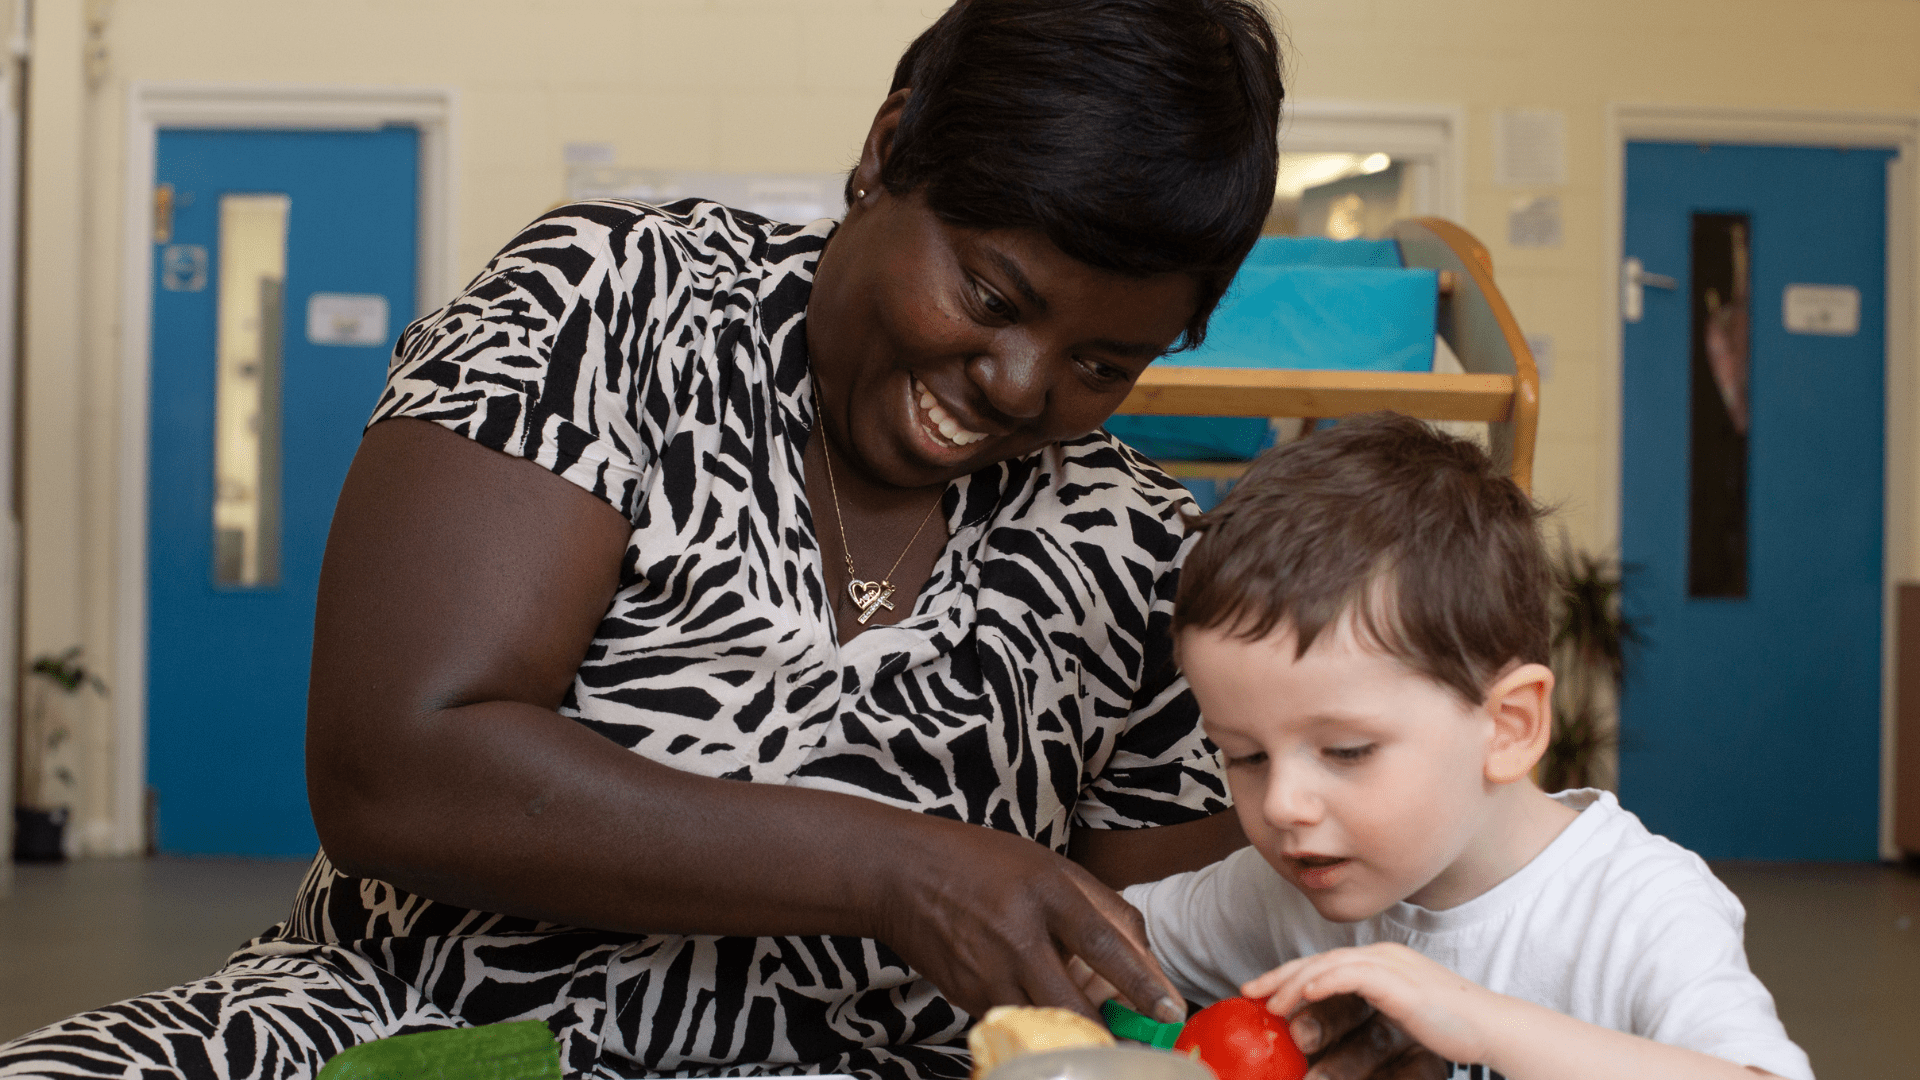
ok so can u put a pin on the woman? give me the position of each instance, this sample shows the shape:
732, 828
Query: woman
673, 499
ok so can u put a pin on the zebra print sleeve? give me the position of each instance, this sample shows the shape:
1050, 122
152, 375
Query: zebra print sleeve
1162, 770
547, 353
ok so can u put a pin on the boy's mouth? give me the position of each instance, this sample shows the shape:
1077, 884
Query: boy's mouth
1317, 871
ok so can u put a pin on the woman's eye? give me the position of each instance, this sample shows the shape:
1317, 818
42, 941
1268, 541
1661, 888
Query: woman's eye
1102, 374
991, 301
1349, 754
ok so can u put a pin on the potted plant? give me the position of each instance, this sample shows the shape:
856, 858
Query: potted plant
46, 782
1589, 647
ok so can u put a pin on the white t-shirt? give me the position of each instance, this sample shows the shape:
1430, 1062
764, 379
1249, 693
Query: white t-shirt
1610, 924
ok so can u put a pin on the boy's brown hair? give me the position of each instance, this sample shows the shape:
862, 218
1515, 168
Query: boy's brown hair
1437, 555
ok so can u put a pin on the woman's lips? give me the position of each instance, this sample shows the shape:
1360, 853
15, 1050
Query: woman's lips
938, 423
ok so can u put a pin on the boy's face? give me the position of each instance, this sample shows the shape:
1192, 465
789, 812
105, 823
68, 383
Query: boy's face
1361, 781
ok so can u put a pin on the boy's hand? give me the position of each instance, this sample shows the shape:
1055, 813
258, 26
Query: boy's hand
1447, 1014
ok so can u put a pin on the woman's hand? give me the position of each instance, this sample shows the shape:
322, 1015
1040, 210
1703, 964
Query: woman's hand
1384, 1010
993, 919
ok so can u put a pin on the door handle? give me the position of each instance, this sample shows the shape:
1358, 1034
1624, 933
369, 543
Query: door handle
1634, 279
163, 214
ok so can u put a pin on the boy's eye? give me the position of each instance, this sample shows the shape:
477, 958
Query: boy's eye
1349, 753
1258, 757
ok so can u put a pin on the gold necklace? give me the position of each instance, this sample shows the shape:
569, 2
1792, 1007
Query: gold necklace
868, 596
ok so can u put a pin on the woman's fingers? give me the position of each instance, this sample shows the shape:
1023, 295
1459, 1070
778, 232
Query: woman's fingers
1109, 935
1375, 1050
1052, 984
1416, 1063
1321, 1024
991, 920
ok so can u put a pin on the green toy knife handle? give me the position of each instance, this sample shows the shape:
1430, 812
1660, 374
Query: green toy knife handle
1127, 1024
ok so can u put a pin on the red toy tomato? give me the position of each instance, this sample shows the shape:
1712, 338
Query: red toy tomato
1240, 1040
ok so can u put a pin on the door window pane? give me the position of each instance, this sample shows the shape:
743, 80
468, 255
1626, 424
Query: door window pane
246, 433
1341, 196
1720, 406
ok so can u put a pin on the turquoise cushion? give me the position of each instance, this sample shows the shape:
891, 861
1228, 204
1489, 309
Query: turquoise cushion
1298, 302
1319, 251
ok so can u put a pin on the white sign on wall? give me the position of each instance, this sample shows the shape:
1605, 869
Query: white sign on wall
1530, 148
347, 319
1829, 310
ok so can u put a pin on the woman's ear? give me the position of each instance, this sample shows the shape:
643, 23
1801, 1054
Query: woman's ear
1521, 708
873, 152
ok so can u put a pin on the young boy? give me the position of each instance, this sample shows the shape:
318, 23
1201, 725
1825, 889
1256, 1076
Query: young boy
1364, 623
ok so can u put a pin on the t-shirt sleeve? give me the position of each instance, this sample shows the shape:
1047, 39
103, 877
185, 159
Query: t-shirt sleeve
540, 356
1219, 926
1162, 770
1692, 986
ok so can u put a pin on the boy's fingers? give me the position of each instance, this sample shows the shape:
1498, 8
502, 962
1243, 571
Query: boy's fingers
1097, 989
1264, 985
1305, 981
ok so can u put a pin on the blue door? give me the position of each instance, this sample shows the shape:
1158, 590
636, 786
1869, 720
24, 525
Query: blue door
283, 270
1753, 435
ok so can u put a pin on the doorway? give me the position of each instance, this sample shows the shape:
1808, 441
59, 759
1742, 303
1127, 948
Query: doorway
1753, 486
283, 267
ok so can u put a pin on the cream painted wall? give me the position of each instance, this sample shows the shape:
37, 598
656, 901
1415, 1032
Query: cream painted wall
789, 86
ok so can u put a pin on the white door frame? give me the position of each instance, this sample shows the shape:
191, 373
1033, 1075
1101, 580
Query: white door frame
10, 699
1782, 127
1429, 138
150, 107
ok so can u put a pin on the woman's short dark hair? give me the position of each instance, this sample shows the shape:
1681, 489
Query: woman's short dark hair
1436, 556
1140, 136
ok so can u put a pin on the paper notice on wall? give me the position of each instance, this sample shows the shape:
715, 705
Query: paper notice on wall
1530, 148
347, 319
1541, 346
587, 153
1534, 222
1827, 310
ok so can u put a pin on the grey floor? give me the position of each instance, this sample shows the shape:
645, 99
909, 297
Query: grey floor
78, 935
1839, 945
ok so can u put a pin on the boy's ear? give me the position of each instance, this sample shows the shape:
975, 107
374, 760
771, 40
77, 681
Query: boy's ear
1521, 707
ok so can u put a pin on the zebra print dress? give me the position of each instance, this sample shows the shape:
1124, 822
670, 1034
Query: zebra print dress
657, 358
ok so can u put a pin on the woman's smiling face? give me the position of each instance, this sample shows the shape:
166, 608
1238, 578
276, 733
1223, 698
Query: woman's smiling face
939, 350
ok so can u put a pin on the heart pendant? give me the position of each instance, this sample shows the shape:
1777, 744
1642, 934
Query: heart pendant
869, 597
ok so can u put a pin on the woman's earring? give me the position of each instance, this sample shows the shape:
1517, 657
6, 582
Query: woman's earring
859, 194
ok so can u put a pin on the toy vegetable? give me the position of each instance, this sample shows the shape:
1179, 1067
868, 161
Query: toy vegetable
1237, 1038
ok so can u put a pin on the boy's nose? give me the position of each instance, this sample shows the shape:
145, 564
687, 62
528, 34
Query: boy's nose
1290, 803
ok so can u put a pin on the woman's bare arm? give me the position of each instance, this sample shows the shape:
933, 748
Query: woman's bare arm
1123, 857
460, 592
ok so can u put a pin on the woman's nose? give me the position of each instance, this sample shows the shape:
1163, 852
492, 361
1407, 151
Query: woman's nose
1015, 376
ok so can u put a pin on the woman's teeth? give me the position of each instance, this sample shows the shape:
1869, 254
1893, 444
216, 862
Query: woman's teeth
954, 433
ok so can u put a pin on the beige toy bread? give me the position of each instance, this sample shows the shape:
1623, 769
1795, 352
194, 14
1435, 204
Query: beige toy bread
1010, 1031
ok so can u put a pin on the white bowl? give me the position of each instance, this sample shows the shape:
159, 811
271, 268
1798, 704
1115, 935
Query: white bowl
1103, 1063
